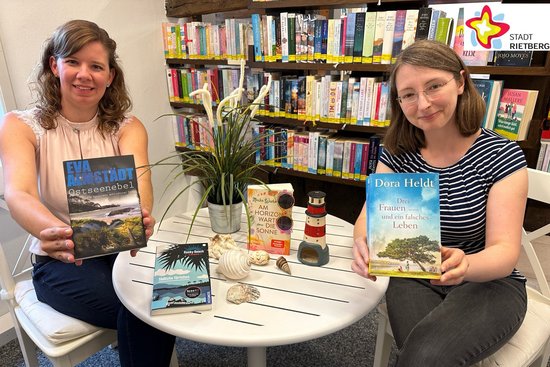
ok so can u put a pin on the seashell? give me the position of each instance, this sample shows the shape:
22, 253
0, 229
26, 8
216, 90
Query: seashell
259, 257
283, 265
234, 264
240, 293
219, 244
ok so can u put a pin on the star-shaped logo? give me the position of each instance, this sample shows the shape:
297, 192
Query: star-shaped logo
486, 27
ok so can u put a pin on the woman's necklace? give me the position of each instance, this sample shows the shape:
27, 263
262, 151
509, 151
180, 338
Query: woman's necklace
76, 130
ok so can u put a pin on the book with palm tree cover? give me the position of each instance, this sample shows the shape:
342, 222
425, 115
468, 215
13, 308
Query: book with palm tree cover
181, 282
104, 205
403, 225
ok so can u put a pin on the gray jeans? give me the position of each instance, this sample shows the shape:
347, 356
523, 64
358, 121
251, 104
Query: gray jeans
453, 325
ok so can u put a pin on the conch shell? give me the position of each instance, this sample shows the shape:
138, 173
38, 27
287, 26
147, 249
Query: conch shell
259, 257
240, 293
234, 264
219, 244
283, 265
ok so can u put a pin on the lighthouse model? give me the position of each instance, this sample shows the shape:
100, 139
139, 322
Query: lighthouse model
313, 249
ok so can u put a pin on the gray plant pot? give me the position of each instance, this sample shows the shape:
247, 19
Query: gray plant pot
225, 220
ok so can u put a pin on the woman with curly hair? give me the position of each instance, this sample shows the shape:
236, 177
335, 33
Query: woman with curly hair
82, 111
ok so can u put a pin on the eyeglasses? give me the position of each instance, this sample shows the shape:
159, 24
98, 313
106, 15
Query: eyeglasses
431, 92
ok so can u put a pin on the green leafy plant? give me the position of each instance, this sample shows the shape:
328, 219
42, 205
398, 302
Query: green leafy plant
226, 165
224, 169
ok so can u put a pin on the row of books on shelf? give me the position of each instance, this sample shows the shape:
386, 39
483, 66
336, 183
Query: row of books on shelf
315, 152
336, 98
375, 37
351, 100
508, 110
362, 37
203, 40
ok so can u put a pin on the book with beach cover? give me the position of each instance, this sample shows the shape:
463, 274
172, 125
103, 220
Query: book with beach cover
104, 206
403, 225
181, 282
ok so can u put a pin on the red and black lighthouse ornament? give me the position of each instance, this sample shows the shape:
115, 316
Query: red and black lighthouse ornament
313, 250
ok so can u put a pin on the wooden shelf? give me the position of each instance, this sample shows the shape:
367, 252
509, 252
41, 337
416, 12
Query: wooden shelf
189, 8
532, 71
297, 123
324, 3
290, 172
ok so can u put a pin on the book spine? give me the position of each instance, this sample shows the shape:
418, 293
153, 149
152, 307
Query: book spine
409, 31
330, 157
368, 37
291, 37
357, 161
256, 32
400, 17
389, 29
374, 143
364, 161
346, 157
284, 36
359, 37
423, 25
350, 38
322, 155
324, 40
379, 32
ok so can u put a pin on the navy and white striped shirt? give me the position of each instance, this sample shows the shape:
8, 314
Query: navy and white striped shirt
464, 187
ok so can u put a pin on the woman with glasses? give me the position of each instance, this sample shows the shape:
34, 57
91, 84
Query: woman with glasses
480, 300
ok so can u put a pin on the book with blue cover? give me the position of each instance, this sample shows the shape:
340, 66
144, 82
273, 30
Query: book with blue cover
104, 205
181, 282
403, 225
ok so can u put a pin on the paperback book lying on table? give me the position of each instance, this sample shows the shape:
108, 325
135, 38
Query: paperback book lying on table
271, 217
104, 207
182, 279
403, 225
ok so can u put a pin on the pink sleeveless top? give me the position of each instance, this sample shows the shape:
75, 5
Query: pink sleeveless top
70, 140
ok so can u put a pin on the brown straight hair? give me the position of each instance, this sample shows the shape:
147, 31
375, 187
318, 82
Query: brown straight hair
402, 136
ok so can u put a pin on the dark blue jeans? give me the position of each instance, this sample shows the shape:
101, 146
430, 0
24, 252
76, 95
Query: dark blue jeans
86, 292
454, 325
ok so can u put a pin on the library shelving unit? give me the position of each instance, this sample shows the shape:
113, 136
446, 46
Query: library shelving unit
345, 197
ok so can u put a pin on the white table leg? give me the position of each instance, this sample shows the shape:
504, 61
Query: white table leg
257, 357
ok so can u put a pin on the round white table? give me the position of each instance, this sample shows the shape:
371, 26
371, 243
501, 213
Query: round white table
310, 303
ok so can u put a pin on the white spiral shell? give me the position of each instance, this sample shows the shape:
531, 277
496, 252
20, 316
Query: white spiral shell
234, 264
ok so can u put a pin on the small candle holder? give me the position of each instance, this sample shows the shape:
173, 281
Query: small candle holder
313, 250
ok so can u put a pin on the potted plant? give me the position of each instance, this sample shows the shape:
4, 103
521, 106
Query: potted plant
227, 164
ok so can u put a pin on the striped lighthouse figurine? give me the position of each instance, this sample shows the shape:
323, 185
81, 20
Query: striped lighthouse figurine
313, 250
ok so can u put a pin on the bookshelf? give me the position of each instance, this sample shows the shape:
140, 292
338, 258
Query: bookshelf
345, 197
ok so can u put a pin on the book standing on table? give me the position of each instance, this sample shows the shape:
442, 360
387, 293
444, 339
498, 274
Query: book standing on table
104, 206
403, 226
271, 217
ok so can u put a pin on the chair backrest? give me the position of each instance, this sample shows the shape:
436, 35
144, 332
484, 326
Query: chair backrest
539, 189
9, 277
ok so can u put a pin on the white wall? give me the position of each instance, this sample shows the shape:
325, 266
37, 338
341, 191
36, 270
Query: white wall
135, 26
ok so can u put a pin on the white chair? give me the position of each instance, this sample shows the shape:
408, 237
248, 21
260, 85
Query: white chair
530, 346
65, 340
